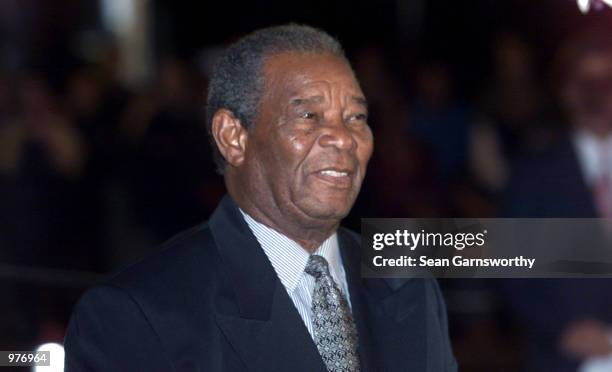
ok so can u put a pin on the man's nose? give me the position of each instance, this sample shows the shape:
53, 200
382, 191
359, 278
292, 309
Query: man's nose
337, 134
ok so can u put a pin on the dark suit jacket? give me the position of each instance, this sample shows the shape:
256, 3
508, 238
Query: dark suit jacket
551, 185
211, 301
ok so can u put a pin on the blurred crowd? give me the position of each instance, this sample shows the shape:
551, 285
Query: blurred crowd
441, 154
95, 173
92, 176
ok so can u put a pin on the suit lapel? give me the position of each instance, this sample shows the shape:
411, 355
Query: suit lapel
390, 316
265, 329
401, 321
349, 249
280, 343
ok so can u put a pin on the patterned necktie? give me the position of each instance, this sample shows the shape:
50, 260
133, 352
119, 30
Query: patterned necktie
334, 329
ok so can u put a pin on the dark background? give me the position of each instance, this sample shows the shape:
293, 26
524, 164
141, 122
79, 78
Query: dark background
96, 170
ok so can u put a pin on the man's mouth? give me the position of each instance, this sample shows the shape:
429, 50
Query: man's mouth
338, 178
333, 173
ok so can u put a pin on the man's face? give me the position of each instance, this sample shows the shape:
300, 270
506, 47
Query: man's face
588, 93
308, 150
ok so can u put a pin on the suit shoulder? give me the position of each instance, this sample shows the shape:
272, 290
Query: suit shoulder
354, 236
104, 315
544, 161
173, 262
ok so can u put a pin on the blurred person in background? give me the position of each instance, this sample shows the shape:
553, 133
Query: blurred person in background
171, 180
95, 103
441, 123
511, 114
402, 181
439, 120
42, 160
569, 321
43, 157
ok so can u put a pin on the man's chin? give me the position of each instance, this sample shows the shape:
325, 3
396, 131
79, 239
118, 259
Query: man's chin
330, 209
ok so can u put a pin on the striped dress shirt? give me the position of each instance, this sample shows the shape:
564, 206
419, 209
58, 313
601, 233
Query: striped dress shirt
289, 260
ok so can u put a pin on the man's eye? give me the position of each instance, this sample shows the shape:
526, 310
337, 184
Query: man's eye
358, 118
308, 115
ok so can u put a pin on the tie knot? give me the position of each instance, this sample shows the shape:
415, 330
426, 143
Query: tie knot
317, 266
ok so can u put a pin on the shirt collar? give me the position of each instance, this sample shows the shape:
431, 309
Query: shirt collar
288, 258
594, 154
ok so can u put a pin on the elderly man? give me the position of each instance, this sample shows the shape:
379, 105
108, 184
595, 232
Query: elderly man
270, 282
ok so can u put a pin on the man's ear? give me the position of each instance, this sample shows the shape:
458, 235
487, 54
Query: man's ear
230, 136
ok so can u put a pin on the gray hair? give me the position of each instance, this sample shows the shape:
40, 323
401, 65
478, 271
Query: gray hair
237, 81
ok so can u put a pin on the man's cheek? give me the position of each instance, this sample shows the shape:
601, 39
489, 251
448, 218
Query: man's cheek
298, 146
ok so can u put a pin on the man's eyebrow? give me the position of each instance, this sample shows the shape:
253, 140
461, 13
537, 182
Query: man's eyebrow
306, 100
360, 101
318, 99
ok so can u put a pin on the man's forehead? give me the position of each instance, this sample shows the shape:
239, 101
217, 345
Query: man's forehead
305, 66
302, 76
